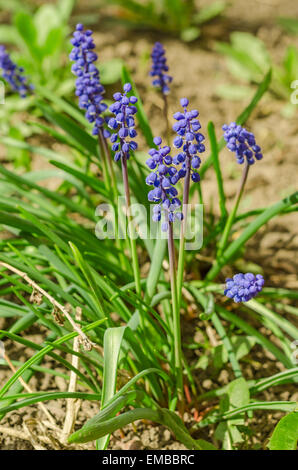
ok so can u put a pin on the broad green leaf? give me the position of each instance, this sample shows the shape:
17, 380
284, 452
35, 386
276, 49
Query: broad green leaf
26, 28
155, 267
285, 434
209, 12
112, 345
46, 19
234, 92
238, 393
190, 34
110, 71
253, 47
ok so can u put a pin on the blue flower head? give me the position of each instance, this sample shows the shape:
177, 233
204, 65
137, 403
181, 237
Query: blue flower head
88, 87
13, 74
123, 124
159, 69
162, 177
189, 140
242, 143
244, 287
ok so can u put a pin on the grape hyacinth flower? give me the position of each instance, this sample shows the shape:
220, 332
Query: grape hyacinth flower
13, 74
242, 143
243, 287
88, 87
163, 177
123, 123
159, 69
189, 140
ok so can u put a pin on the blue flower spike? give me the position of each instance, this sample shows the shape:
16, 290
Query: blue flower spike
160, 68
123, 124
189, 140
163, 177
243, 287
88, 87
242, 143
13, 74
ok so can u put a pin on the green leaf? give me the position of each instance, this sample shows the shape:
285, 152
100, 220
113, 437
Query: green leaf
53, 41
42, 352
253, 47
9, 34
25, 26
71, 128
91, 181
216, 164
233, 92
111, 71
283, 323
190, 34
209, 12
102, 424
263, 87
112, 345
244, 326
88, 274
238, 393
45, 396
155, 267
289, 24
287, 376
285, 434
65, 8
27, 30
46, 20
286, 406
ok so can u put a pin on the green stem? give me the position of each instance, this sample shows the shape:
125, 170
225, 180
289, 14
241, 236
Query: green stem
104, 161
133, 245
166, 115
223, 241
176, 317
111, 185
181, 257
110, 169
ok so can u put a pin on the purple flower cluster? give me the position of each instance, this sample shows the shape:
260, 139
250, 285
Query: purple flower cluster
243, 287
88, 86
189, 140
12, 74
123, 123
163, 179
159, 68
242, 143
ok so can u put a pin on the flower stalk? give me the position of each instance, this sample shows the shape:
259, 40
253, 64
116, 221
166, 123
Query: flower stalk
176, 317
133, 245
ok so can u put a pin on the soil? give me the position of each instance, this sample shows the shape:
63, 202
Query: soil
197, 72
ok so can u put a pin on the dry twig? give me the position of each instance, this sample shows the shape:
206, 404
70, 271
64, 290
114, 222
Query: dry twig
72, 404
